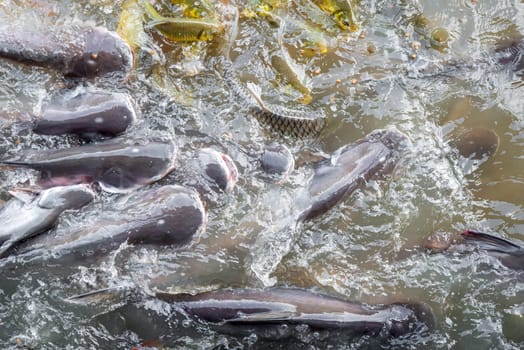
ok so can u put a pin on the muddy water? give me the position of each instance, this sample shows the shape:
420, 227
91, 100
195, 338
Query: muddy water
364, 249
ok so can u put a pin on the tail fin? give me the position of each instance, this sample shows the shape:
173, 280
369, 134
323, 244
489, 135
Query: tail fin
490, 242
112, 296
14, 162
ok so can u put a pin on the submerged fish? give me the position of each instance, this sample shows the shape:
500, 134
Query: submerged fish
183, 29
86, 113
116, 165
256, 308
476, 143
77, 50
351, 167
30, 212
168, 215
341, 12
509, 254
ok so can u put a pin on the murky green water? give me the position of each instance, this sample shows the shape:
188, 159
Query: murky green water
357, 250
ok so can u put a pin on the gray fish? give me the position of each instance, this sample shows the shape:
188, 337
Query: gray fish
30, 212
116, 165
77, 50
218, 168
277, 160
168, 215
509, 254
299, 123
476, 143
290, 306
351, 167
208, 171
86, 113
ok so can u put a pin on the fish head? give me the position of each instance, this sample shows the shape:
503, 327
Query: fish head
218, 168
277, 159
136, 165
410, 317
104, 52
391, 138
175, 215
66, 197
87, 112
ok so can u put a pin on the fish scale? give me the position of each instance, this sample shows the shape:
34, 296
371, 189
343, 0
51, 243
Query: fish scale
293, 122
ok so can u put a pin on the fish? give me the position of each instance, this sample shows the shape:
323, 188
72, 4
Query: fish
182, 29
77, 50
476, 143
509, 253
341, 11
170, 215
210, 172
348, 169
32, 212
300, 123
218, 168
277, 160
196, 9
351, 166
256, 308
86, 113
117, 165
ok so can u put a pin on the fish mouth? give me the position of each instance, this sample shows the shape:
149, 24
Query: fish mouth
231, 170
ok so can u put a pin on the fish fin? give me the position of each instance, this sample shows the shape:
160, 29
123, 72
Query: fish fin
103, 301
490, 242
15, 163
110, 295
5, 248
263, 317
255, 91
25, 194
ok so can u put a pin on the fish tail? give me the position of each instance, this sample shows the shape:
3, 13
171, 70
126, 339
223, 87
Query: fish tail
5, 248
107, 296
15, 163
489, 242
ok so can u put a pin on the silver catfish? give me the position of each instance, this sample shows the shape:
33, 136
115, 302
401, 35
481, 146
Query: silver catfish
32, 212
351, 167
118, 165
168, 215
86, 113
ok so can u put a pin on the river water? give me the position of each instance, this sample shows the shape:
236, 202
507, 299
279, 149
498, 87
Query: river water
388, 73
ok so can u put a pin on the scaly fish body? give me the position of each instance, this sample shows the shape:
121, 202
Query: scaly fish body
295, 122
